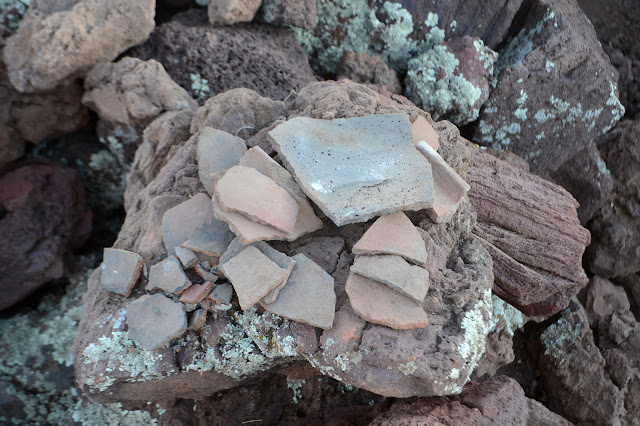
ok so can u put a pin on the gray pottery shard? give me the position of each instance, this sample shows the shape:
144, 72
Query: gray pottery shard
356, 168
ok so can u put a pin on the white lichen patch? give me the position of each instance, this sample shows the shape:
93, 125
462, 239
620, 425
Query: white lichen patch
90, 413
548, 66
503, 310
199, 86
617, 109
346, 360
560, 337
295, 385
407, 368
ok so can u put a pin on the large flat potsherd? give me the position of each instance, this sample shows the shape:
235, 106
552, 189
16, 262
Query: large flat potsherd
308, 296
154, 320
253, 275
120, 269
168, 276
211, 239
356, 168
179, 222
245, 190
393, 234
379, 304
409, 280
216, 151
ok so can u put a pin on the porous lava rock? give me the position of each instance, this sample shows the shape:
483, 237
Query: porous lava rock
43, 217
232, 347
554, 82
367, 69
531, 228
263, 58
615, 228
83, 32
128, 95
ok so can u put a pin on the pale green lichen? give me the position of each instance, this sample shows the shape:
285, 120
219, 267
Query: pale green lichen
295, 385
617, 109
93, 414
512, 317
548, 66
347, 359
407, 368
199, 86
559, 337
12, 11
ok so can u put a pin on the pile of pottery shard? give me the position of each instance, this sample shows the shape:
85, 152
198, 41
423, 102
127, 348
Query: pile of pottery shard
352, 169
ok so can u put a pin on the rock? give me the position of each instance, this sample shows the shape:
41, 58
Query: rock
366, 69
451, 80
43, 216
229, 12
168, 276
449, 188
394, 271
539, 415
247, 191
120, 270
95, 31
253, 275
387, 169
238, 112
187, 46
604, 299
280, 259
211, 239
379, 304
187, 257
615, 228
155, 320
308, 296
533, 235
179, 223
198, 319
540, 95
286, 13
423, 131
132, 92
222, 293
217, 151
196, 293
586, 177
393, 234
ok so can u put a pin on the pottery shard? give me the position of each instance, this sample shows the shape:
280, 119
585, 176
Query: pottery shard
83, 32
253, 275
211, 239
196, 293
379, 304
222, 293
217, 151
181, 221
198, 319
356, 168
308, 296
187, 257
422, 131
531, 229
205, 274
228, 12
394, 271
245, 190
280, 259
155, 320
449, 187
120, 270
168, 276
393, 234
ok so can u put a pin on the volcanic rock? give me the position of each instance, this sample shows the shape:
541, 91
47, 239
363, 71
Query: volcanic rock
120, 270
229, 12
394, 271
155, 320
247, 191
366, 69
187, 46
346, 164
393, 234
42, 217
308, 295
94, 31
217, 151
168, 276
286, 13
530, 227
182, 221
253, 275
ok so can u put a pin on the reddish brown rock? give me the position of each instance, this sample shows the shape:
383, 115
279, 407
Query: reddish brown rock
43, 217
366, 69
531, 228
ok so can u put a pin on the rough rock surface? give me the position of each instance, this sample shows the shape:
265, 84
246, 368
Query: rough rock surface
531, 228
94, 31
286, 13
615, 228
229, 12
366, 69
128, 95
554, 83
42, 217
273, 65
233, 348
